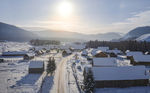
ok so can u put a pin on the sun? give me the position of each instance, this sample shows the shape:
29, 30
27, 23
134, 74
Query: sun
65, 9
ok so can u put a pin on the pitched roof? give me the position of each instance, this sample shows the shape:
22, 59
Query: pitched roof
14, 53
132, 53
120, 73
36, 64
141, 58
116, 51
104, 49
104, 62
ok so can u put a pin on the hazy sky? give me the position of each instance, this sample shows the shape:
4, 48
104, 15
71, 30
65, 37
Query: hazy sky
84, 16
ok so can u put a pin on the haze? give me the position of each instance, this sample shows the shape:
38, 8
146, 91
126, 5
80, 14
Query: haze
83, 16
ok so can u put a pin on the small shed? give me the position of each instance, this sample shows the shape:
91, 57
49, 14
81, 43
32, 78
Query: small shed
89, 56
38, 52
84, 53
126, 76
104, 62
112, 54
141, 60
1, 60
66, 52
28, 56
101, 54
36, 67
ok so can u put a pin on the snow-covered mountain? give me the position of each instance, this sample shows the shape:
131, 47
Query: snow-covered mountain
145, 37
13, 33
136, 33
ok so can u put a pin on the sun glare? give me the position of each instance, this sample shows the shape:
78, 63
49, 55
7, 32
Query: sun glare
65, 8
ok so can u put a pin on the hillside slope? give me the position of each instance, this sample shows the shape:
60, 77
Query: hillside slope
13, 33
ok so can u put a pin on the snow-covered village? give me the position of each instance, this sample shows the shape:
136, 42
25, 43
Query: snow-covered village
74, 46
71, 67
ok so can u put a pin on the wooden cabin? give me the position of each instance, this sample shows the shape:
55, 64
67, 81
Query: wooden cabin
84, 53
115, 51
141, 60
101, 54
36, 67
1, 60
125, 76
38, 52
103, 49
130, 54
28, 56
66, 52
14, 53
112, 54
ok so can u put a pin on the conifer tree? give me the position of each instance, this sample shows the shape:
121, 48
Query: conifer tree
51, 66
88, 82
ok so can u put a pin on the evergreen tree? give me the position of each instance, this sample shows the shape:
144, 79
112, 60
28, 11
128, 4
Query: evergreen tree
51, 66
88, 82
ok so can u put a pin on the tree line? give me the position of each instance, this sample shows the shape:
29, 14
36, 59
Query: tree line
38, 42
122, 45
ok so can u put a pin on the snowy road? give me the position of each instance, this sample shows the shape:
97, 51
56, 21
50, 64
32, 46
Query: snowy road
61, 84
60, 77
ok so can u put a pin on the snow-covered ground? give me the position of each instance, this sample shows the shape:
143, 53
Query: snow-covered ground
68, 77
14, 76
14, 46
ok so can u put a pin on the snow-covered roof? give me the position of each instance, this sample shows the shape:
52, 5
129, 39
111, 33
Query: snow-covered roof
104, 49
14, 53
141, 58
104, 62
68, 51
30, 54
95, 51
133, 53
120, 73
36, 64
84, 52
116, 51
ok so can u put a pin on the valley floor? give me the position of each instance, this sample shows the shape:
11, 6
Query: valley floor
14, 76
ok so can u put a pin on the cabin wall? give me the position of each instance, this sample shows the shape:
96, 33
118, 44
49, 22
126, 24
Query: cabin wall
36, 70
121, 83
13, 54
142, 63
133, 62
